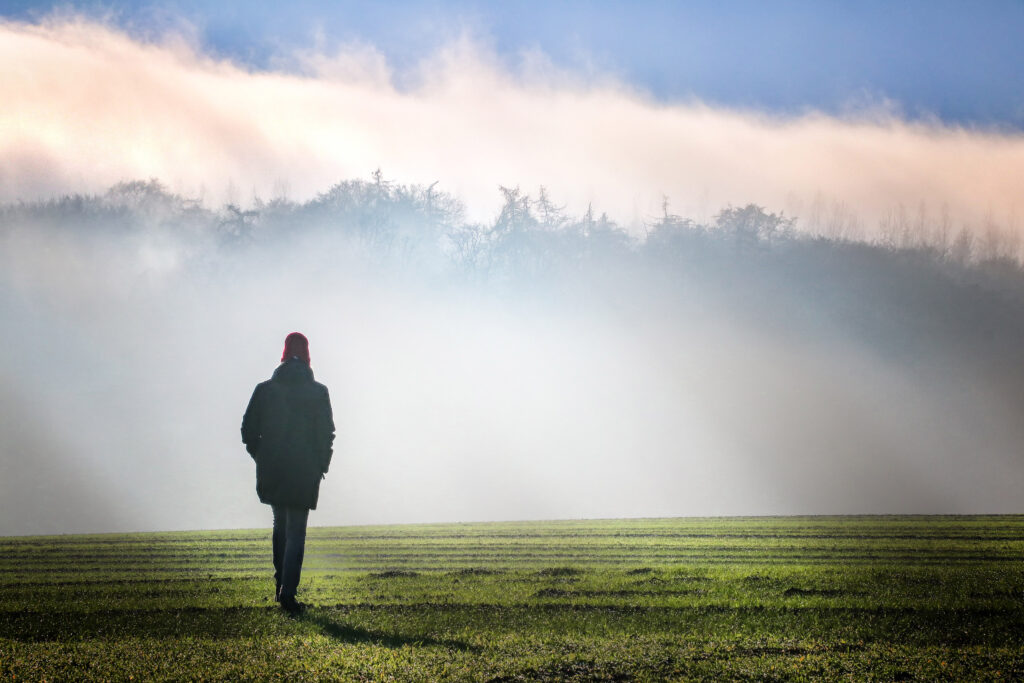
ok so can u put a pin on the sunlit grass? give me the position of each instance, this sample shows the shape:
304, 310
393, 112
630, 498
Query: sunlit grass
891, 598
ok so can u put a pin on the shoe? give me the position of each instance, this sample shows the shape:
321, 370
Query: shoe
292, 606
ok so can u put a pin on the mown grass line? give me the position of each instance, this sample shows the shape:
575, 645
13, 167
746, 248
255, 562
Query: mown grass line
888, 598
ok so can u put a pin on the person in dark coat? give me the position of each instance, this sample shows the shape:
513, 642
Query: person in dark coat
288, 430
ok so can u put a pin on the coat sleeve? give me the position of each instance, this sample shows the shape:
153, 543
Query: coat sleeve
251, 427
325, 431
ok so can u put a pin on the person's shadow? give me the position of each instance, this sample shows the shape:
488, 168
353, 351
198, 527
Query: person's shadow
347, 633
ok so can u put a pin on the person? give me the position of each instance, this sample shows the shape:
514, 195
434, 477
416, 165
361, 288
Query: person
288, 429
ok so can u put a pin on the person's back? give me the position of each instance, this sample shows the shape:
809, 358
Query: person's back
288, 429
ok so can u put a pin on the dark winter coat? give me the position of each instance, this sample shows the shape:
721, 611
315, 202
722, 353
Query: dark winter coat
288, 429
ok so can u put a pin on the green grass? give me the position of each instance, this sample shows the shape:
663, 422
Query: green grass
856, 598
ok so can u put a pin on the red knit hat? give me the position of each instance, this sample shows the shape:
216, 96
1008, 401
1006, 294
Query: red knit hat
296, 344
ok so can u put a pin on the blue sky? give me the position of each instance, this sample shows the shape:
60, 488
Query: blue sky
958, 61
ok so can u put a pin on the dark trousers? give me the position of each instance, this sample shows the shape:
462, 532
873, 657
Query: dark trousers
289, 542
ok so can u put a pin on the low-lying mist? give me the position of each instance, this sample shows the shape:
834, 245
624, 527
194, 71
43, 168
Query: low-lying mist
539, 366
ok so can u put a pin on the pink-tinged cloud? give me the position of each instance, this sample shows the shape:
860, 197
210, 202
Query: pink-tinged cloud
83, 106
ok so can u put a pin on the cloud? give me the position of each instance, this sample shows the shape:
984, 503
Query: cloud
86, 106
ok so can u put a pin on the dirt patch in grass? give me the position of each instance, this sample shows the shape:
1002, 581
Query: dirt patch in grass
568, 671
475, 571
649, 581
759, 578
815, 592
562, 593
559, 571
999, 595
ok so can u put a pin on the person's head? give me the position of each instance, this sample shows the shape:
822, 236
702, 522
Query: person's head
296, 346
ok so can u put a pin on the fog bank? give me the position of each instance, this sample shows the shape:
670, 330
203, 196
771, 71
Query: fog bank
529, 368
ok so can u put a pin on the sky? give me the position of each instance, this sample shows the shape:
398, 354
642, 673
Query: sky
792, 106
955, 61
458, 405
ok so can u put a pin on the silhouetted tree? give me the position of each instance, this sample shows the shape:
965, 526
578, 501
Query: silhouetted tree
751, 224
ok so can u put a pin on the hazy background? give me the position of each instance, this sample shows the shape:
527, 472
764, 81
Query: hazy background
503, 353
539, 366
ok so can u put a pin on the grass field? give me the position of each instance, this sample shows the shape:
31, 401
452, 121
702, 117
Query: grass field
882, 598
